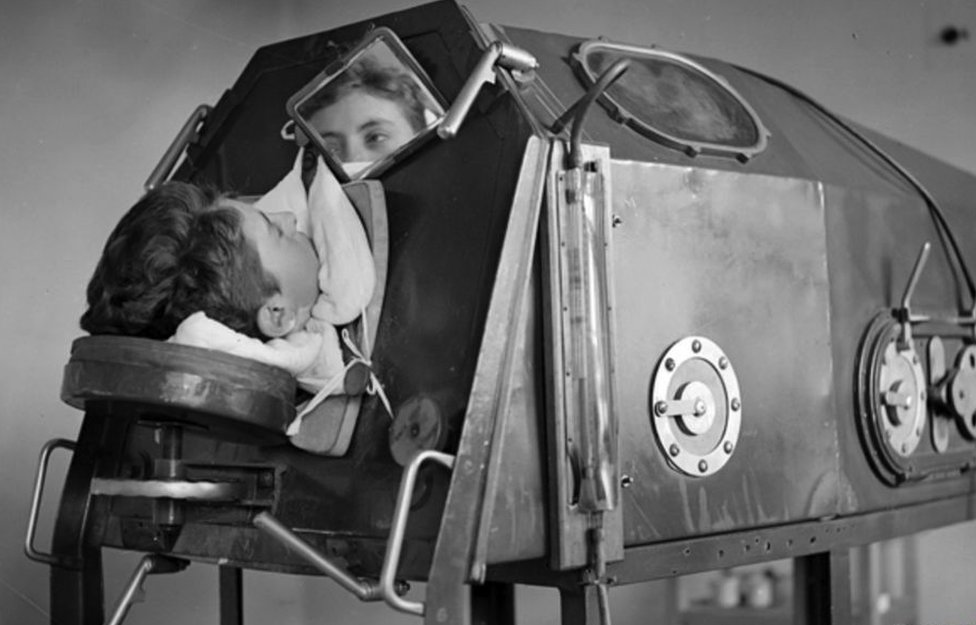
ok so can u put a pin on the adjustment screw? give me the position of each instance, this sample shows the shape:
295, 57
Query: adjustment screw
735, 403
673, 450
723, 363
669, 364
661, 408
727, 447
702, 466
696, 346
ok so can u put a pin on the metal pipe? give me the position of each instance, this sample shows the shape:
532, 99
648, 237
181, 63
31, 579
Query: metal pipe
499, 53
39, 478
923, 256
186, 135
394, 544
130, 593
365, 590
152, 563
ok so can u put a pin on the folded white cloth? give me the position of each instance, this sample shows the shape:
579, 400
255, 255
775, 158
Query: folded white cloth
346, 277
313, 357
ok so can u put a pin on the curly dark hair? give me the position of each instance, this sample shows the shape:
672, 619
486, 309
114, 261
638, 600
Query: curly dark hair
378, 80
176, 251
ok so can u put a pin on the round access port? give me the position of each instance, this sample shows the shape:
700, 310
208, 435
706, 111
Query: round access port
696, 406
891, 400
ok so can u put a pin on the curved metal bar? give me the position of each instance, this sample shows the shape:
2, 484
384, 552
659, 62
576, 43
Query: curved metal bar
923, 255
394, 544
186, 135
606, 79
499, 53
35, 507
365, 590
483, 72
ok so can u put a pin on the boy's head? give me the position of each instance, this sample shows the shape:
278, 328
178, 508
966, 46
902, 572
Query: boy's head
181, 249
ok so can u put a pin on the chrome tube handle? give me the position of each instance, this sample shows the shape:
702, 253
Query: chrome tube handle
39, 478
395, 543
187, 134
498, 53
365, 590
132, 593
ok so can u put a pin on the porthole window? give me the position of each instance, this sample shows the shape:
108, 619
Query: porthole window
674, 100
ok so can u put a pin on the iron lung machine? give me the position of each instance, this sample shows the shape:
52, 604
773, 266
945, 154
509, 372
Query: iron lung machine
641, 314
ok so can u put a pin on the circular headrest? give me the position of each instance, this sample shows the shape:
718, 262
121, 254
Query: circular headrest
225, 396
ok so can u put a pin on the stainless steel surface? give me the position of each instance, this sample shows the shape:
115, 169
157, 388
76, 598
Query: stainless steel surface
364, 590
394, 544
741, 259
481, 481
38, 493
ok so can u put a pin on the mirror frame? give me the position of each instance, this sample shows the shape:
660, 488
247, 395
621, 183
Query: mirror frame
400, 51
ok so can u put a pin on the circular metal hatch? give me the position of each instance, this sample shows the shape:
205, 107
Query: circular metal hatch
696, 406
892, 394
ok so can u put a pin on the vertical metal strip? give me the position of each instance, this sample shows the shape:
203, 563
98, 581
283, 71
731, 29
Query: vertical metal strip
487, 406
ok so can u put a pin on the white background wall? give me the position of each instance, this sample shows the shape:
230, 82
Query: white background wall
92, 92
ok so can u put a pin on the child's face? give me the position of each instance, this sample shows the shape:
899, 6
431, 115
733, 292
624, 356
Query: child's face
285, 253
362, 127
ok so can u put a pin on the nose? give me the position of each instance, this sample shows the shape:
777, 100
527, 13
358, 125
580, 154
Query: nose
286, 221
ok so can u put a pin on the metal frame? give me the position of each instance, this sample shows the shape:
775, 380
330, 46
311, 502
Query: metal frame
404, 56
633, 120
467, 510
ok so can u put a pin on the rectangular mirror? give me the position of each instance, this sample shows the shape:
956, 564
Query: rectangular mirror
370, 109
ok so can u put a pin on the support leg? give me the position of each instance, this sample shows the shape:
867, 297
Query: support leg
76, 583
580, 605
231, 596
822, 588
493, 603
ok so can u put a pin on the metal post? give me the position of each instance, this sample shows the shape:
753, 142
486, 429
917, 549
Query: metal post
580, 605
822, 588
231, 595
493, 603
77, 592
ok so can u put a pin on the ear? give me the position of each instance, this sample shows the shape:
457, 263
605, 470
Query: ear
276, 317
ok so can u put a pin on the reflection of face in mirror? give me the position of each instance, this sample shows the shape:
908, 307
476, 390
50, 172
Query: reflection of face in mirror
367, 112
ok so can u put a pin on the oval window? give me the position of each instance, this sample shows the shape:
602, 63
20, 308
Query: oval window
674, 100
